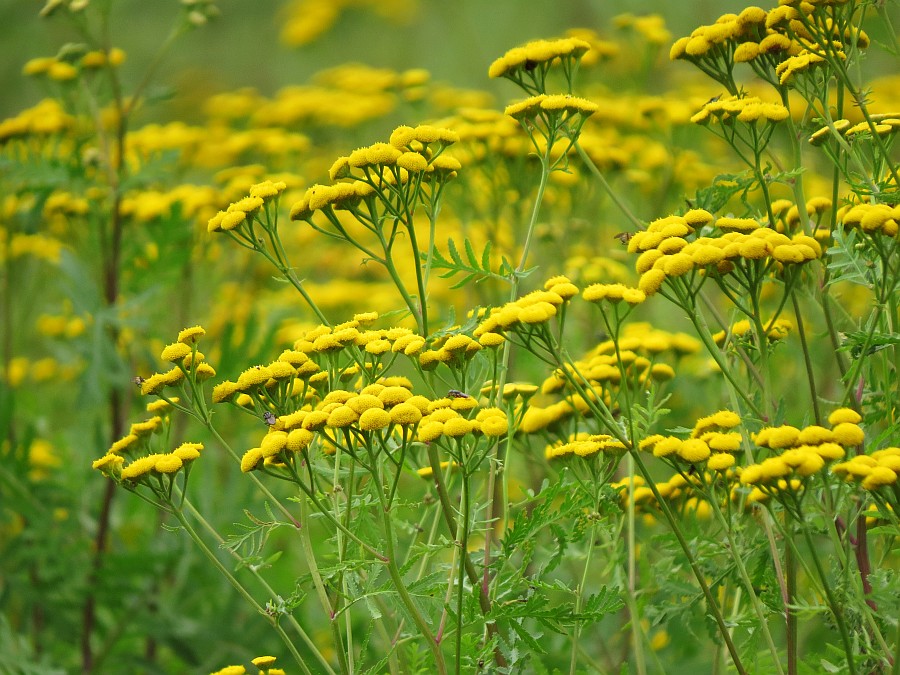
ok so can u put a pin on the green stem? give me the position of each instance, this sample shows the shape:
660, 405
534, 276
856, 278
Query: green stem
790, 616
310, 556
422, 316
400, 585
463, 547
291, 618
238, 586
711, 603
734, 551
832, 601
807, 359
638, 225
636, 631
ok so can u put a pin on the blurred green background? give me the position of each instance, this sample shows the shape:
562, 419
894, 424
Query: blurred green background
455, 41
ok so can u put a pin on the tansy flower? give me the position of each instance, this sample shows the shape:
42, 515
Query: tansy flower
168, 464
430, 431
842, 415
531, 54
878, 477
251, 460
539, 312
140, 467
175, 352
848, 434
109, 464
298, 439
267, 189
693, 450
191, 335
666, 446
253, 377
224, 391
374, 419
720, 461
123, 443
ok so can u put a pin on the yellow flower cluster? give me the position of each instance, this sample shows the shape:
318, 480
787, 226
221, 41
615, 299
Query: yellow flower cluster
746, 109
802, 453
613, 293
412, 155
189, 362
778, 44
242, 211
312, 360
775, 330
722, 37
157, 463
291, 374
381, 408
800, 64
680, 490
885, 124
538, 54
551, 104
874, 471
871, 218
712, 441
526, 313
64, 70
112, 464
602, 369
585, 445
38, 246
651, 27
788, 218
666, 253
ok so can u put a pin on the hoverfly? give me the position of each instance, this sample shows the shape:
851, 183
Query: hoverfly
455, 393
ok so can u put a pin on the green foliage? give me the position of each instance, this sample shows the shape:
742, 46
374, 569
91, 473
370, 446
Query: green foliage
475, 268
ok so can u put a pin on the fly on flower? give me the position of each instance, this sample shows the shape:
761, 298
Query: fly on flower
269, 418
455, 393
624, 237
137, 381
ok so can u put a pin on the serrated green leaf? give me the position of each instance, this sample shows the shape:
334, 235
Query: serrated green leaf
470, 253
846, 260
454, 252
465, 280
526, 637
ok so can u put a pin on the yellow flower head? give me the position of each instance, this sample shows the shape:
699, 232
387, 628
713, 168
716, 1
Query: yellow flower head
191, 335
175, 352
529, 56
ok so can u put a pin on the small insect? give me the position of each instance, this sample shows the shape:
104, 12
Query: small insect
624, 237
138, 381
714, 99
455, 393
269, 418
